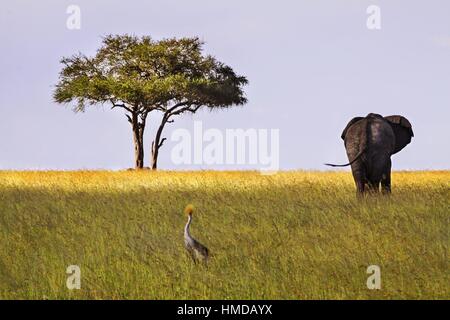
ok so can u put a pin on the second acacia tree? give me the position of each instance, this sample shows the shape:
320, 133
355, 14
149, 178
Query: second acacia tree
141, 75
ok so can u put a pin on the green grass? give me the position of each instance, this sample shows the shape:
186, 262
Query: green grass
294, 235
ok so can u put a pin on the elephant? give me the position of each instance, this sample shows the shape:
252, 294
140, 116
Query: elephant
370, 142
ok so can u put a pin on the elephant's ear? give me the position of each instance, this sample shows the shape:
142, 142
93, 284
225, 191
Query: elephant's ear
354, 120
402, 121
402, 130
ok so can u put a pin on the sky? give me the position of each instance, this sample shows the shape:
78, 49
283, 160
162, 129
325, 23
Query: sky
311, 65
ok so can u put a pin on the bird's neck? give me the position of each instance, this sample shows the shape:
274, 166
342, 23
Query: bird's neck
186, 228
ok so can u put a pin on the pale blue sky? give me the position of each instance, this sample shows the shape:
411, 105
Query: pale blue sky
312, 66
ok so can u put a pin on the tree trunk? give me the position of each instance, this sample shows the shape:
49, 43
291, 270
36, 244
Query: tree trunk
157, 143
154, 164
138, 140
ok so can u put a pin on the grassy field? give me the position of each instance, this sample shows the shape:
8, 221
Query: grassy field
294, 235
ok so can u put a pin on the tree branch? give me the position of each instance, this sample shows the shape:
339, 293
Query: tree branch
195, 109
161, 143
119, 105
143, 115
180, 104
188, 108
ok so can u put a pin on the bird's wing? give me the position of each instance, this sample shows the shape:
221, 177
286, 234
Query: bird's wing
198, 246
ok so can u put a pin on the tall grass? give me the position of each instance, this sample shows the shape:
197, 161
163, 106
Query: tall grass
293, 235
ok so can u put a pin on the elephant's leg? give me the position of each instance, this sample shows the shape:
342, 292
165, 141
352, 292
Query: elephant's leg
386, 179
374, 186
360, 187
359, 175
373, 182
379, 166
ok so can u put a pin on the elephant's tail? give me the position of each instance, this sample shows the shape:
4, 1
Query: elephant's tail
344, 165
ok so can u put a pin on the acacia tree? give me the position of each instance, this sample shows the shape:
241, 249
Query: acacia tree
141, 75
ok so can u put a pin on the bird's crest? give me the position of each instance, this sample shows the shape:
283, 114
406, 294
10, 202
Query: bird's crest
189, 209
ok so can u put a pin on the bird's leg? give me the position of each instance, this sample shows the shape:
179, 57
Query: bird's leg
193, 257
189, 254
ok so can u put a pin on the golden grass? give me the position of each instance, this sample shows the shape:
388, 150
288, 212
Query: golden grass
293, 235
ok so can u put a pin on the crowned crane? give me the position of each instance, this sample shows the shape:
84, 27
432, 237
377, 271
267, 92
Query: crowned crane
195, 248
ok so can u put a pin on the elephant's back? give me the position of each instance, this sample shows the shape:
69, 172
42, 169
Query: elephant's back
356, 138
